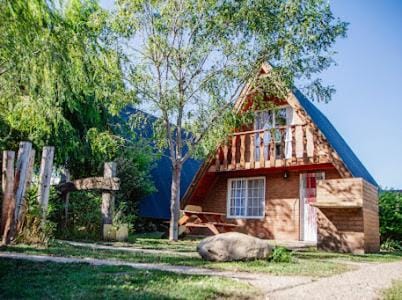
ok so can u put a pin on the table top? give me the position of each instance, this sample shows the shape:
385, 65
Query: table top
190, 212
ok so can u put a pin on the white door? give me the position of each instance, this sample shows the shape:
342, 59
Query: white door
308, 213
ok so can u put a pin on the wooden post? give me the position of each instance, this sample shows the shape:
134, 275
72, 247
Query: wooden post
242, 151
217, 159
108, 196
24, 154
65, 196
252, 151
233, 152
225, 156
28, 183
45, 175
8, 207
262, 148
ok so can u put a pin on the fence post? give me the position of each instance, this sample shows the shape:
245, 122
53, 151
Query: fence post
108, 196
8, 207
45, 175
65, 196
24, 153
28, 183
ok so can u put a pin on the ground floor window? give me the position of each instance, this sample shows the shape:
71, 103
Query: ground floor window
246, 197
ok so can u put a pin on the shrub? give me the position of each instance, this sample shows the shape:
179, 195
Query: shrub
33, 230
391, 245
281, 255
84, 216
390, 205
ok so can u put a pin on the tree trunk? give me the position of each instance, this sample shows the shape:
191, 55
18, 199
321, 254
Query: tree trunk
175, 202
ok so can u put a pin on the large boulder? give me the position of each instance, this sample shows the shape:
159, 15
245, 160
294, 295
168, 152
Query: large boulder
233, 246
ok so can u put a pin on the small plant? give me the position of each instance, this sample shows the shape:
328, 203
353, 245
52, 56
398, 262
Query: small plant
281, 255
391, 245
121, 218
33, 230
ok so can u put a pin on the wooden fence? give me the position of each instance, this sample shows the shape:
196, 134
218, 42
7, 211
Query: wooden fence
17, 179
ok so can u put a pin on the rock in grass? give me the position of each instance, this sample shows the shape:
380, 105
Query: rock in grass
233, 246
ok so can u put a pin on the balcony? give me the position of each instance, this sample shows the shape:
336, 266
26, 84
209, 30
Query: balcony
282, 146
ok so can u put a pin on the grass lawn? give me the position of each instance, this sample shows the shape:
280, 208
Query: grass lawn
23, 279
395, 292
306, 263
302, 267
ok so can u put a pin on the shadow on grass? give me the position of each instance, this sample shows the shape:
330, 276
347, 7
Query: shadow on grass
32, 280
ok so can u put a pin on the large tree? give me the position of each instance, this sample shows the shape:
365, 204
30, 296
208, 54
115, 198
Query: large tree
61, 79
190, 59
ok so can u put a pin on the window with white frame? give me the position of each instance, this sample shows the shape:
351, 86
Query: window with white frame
246, 197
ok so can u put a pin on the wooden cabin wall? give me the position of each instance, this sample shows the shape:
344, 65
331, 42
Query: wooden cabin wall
282, 217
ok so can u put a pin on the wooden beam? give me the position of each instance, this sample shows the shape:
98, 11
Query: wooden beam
90, 183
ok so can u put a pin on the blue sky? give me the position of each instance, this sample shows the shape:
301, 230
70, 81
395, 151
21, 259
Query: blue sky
367, 107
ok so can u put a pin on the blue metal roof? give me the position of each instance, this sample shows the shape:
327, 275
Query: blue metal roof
157, 205
336, 141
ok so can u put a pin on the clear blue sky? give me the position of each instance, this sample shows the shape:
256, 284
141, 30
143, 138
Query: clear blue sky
367, 107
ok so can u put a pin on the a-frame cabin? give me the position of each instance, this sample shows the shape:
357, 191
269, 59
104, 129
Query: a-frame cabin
290, 176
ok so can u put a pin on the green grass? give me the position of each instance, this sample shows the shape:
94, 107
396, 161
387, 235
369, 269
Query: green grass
302, 267
154, 241
305, 263
372, 257
31, 280
395, 292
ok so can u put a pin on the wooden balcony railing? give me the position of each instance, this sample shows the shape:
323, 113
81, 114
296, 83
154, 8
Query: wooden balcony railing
277, 147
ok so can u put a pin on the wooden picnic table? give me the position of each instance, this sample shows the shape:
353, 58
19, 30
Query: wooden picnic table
215, 222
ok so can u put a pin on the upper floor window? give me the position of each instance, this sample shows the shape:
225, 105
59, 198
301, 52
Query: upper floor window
268, 119
273, 118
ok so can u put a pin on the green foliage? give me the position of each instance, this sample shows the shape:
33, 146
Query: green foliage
391, 245
85, 219
281, 255
60, 80
133, 168
390, 205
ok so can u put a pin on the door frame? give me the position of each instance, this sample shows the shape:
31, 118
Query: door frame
301, 202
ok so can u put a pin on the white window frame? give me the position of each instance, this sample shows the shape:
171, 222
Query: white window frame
229, 194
